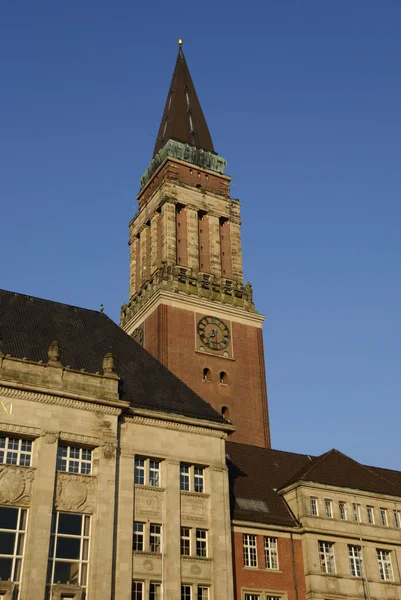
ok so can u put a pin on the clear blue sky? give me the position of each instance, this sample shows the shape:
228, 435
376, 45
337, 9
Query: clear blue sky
303, 99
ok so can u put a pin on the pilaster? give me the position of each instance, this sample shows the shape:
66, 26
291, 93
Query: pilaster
143, 254
125, 513
192, 238
236, 252
214, 245
169, 234
153, 243
171, 533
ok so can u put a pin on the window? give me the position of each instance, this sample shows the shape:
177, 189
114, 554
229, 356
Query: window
328, 509
356, 512
273, 598
355, 561
370, 515
192, 479
249, 547
201, 543
74, 459
185, 541
206, 375
223, 378
326, 556
12, 542
137, 590
313, 507
397, 518
155, 538
155, 591
343, 511
15, 451
251, 597
385, 568
138, 537
383, 517
203, 592
147, 472
69, 549
185, 592
271, 556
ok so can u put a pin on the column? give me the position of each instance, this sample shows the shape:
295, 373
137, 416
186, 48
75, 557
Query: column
123, 582
153, 243
40, 518
143, 254
214, 244
171, 532
192, 239
236, 252
169, 236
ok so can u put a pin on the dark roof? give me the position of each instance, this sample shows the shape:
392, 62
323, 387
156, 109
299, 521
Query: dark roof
390, 474
255, 475
183, 118
29, 325
337, 469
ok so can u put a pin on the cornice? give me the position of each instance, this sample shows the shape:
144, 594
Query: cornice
15, 392
177, 424
339, 490
12, 427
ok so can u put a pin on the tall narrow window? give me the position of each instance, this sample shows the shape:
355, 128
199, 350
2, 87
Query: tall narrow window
342, 511
186, 592
74, 459
154, 473
185, 541
397, 518
356, 512
147, 472
155, 538
198, 480
15, 451
223, 378
69, 549
12, 542
355, 561
370, 515
313, 507
138, 541
137, 590
184, 478
385, 567
201, 543
206, 374
139, 471
271, 555
249, 548
155, 591
326, 557
203, 592
328, 509
383, 517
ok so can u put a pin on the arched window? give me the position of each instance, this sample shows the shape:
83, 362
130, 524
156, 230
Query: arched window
225, 412
206, 374
223, 378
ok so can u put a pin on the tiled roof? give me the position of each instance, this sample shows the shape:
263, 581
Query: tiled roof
29, 325
337, 469
183, 119
255, 475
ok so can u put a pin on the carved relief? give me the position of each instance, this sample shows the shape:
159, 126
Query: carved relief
147, 502
75, 492
50, 436
16, 485
193, 508
148, 565
109, 448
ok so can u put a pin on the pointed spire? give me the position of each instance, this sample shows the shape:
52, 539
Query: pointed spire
183, 119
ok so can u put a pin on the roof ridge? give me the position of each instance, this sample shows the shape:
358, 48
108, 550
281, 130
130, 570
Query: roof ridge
269, 449
31, 297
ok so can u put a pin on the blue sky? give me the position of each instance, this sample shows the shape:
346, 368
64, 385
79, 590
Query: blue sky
303, 100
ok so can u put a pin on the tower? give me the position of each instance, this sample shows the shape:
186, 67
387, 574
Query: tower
188, 303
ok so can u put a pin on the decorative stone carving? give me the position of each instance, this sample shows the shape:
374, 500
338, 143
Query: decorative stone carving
148, 565
108, 366
50, 436
15, 485
147, 502
75, 492
54, 353
195, 570
193, 508
109, 448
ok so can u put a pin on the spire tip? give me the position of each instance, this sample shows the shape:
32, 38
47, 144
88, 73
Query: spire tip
180, 42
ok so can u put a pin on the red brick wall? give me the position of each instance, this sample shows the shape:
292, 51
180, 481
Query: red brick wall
170, 336
261, 578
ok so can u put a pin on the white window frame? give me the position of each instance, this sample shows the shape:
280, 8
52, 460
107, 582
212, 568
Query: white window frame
192, 478
138, 535
342, 510
355, 560
156, 592
147, 471
201, 549
17, 557
327, 557
271, 553
249, 550
138, 594
203, 592
370, 515
84, 555
397, 518
314, 507
155, 538
15, 451
385, 566
185, 536
185, 588
383, 517
328, 508
70, 463
251, 596
356, 512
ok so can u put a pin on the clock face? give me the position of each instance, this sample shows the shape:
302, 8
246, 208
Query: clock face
137, 335
214, 333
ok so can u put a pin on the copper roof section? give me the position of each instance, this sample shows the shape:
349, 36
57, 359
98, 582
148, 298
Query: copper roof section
183, 119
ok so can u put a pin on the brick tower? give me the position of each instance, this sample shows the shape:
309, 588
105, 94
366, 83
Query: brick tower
188, 304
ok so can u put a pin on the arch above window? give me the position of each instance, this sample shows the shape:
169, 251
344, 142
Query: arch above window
223, 378
207, 375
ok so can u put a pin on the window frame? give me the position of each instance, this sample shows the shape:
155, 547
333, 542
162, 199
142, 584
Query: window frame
397, 518
185, 538
249, 549
383, 517
314, 506
19, 544
8, 449
328, 508
327, 557
201, 545
185, 588
155, 538
356, 512
192, 478
202, 588
271, 553
355, 560
140, 590
68, 459
138, 536
386, 572
370, 515
342, 510
147, 471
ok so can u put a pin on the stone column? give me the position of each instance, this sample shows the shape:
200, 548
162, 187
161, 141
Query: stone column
193, 238
153, 243
236, 252
221, 540
132, 266
123, 581
171, 533
143, 236
169, 254
214, 245
40, 518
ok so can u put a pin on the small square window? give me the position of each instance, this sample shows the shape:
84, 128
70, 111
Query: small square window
74, 459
